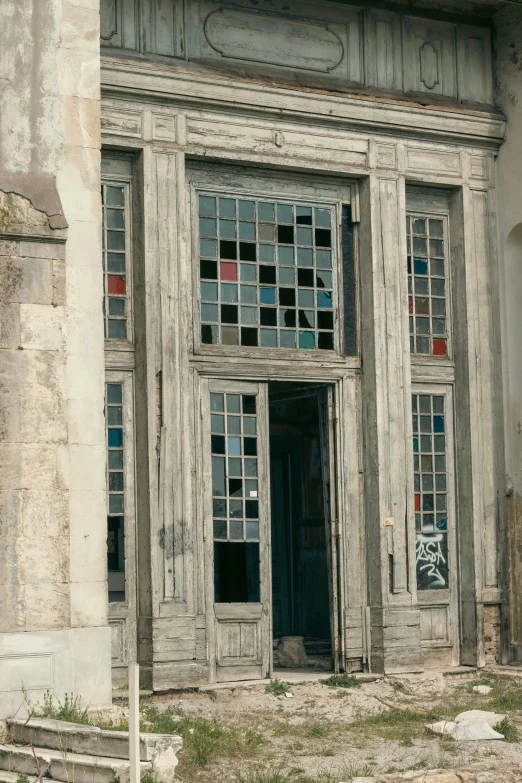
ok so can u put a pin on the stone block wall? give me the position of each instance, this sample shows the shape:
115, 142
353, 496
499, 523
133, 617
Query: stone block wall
54, 632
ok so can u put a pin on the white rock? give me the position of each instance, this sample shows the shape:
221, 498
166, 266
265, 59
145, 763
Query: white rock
289, 695
442, 727
164, 765
480, 716
484, 689
481, 730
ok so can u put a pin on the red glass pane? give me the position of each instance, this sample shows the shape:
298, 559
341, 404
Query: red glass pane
417, 502
410, 304
116, 284
439, 348
228, 271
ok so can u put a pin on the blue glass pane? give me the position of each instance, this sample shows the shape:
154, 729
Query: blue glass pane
115, 438
234, 447
324, 299
420, 266
267, 296
438, 423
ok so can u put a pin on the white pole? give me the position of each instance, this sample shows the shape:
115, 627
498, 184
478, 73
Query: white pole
134, 722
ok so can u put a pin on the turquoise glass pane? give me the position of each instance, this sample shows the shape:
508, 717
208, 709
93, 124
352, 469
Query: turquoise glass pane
307, 340
115, 438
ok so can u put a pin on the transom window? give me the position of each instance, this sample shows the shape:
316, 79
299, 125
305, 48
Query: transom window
427, 285
267, 273
115, 242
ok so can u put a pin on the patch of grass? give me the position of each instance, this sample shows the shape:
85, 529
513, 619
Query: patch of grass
279, 776
509, 730
277, 688
341, 681
22, 778
468, 686
317, 731
401, 726
204, 740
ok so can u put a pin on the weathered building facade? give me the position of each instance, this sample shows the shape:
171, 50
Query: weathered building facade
259, 366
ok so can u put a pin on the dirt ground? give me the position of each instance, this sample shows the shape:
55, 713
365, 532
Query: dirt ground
320, 734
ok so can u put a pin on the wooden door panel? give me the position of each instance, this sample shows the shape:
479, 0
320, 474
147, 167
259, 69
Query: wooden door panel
237, 563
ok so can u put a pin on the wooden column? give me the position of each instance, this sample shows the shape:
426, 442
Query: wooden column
388, 460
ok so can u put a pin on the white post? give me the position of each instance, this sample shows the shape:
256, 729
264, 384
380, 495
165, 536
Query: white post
134, 722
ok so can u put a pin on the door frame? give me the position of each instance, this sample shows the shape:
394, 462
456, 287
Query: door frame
345, 387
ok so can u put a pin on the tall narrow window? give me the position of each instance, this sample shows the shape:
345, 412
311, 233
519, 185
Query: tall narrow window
115, 490
430, 457
116, 260
235, 490
427, 284
267, 273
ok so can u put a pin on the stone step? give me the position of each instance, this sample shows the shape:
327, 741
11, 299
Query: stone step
63, 766
12, 777
78, 738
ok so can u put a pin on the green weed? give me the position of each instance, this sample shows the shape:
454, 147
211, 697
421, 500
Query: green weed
509, 730
402, 726
70, 709
341, 681
22, 778
277, 688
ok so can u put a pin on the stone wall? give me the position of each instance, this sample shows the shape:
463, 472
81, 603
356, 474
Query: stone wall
53, 590
508, 24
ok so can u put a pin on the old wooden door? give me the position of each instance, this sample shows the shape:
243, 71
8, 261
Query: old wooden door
237, 529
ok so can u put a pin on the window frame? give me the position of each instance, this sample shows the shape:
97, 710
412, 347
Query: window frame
120, 179
425, 202
126, 379
292, 188
446, 390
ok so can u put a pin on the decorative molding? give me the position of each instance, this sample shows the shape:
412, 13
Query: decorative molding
273, 39
429, 65
339, 112
386, 156
122, 122
430, 161
29, 672
478, 167
109, 20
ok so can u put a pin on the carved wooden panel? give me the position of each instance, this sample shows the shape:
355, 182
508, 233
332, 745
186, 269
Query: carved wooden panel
300, 36
238, 642
383, 46
118, 641
118, 27
430, 57
475, 69
434, 624
154, 26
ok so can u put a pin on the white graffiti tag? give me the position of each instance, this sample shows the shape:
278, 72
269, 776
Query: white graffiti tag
430, 557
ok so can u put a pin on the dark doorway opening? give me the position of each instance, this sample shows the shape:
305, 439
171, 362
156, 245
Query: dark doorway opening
301, 577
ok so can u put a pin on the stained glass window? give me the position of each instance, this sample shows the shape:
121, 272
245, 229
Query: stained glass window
234, 467
115, 483
427, 285
115, 241
266, 273
431, 489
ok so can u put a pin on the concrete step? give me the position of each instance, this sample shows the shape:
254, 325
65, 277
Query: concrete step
63, 766
78, 738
